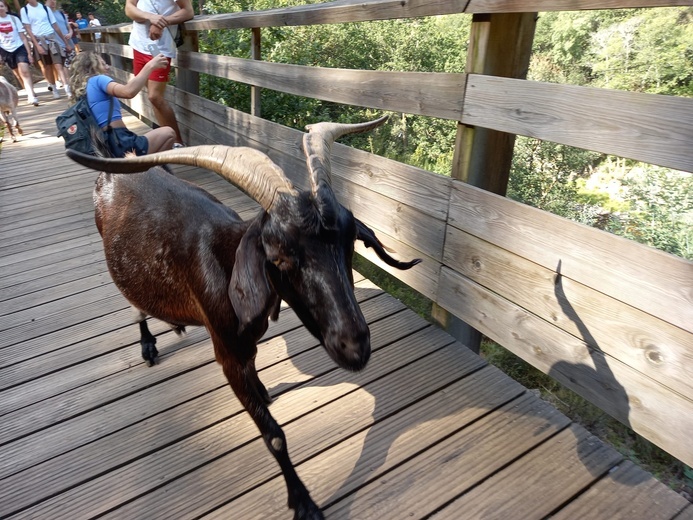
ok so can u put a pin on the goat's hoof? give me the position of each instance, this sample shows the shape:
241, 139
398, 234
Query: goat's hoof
150, 354
308, 510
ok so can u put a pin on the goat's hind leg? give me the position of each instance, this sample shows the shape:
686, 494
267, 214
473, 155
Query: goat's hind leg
149, 352
16, 123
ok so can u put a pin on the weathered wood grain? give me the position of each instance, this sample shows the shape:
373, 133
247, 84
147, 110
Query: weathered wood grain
620, 495
342, 11
647, 127
573, 454
370, 454
650, 280
423, 93
649, 345
651, 409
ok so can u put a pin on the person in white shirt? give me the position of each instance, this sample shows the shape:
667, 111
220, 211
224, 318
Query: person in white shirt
15, 50
94, 22
44, 32
155, 23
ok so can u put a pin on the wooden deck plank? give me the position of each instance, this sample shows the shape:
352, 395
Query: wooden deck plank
541, 481
368, 453
200, 412
72, 420
625, 493
453, 465
87, 429
248, 466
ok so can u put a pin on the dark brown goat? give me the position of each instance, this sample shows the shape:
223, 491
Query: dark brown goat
178, 254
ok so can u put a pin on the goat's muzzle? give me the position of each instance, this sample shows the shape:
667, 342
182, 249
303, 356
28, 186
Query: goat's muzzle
350, 350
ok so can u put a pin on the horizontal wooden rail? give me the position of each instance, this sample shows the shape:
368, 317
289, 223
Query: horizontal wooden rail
343, 11
422, 93
647, 127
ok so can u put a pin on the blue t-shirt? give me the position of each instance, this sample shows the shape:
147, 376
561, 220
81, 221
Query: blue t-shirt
82, 23
99, 99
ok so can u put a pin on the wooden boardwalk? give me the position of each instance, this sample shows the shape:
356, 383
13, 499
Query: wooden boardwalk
87, 430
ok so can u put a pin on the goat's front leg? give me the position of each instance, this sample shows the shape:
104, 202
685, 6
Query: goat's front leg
244, 380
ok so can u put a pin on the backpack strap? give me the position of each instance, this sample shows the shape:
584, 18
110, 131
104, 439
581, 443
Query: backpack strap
110, 112
14, 24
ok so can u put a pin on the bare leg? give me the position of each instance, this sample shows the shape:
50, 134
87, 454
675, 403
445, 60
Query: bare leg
25, 73
47, 72
20, 80
61, 72
164, 113
160, 139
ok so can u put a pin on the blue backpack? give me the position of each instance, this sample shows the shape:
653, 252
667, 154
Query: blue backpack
77, 125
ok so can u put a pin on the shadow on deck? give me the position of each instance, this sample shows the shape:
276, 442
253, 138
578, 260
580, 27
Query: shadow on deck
87, 430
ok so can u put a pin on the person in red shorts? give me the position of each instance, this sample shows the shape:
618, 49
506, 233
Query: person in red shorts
154, 27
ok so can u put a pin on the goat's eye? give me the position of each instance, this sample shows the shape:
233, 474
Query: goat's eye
282, 263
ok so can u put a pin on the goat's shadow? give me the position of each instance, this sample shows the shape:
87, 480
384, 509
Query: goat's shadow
601, 378
379, 438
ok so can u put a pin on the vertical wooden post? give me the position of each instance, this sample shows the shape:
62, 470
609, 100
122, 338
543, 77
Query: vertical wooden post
499, 45
117, 61
186, 79
255, 54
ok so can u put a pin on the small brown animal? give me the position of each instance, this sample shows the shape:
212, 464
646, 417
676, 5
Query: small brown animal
8, 108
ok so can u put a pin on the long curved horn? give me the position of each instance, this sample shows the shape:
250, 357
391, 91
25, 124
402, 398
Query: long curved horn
317, 145
249, 169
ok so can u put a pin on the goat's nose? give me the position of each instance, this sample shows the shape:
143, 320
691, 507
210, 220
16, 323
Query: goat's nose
356, 350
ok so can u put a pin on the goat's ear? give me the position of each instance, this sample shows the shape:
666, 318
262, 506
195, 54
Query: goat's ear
367, 235
250, 292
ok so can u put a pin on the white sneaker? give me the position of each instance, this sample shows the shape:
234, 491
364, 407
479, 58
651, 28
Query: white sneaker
56, 94
32, 101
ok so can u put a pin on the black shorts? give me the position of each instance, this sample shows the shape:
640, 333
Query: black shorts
122, 141
13, 59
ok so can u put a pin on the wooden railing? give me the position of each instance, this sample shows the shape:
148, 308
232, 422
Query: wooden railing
607, 317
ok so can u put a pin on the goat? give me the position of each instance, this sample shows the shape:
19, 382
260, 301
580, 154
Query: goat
180, 255
8, 107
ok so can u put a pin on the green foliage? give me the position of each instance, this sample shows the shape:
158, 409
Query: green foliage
436, 44
546, 175
645, 50
661, 210
388, 283
108, 12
